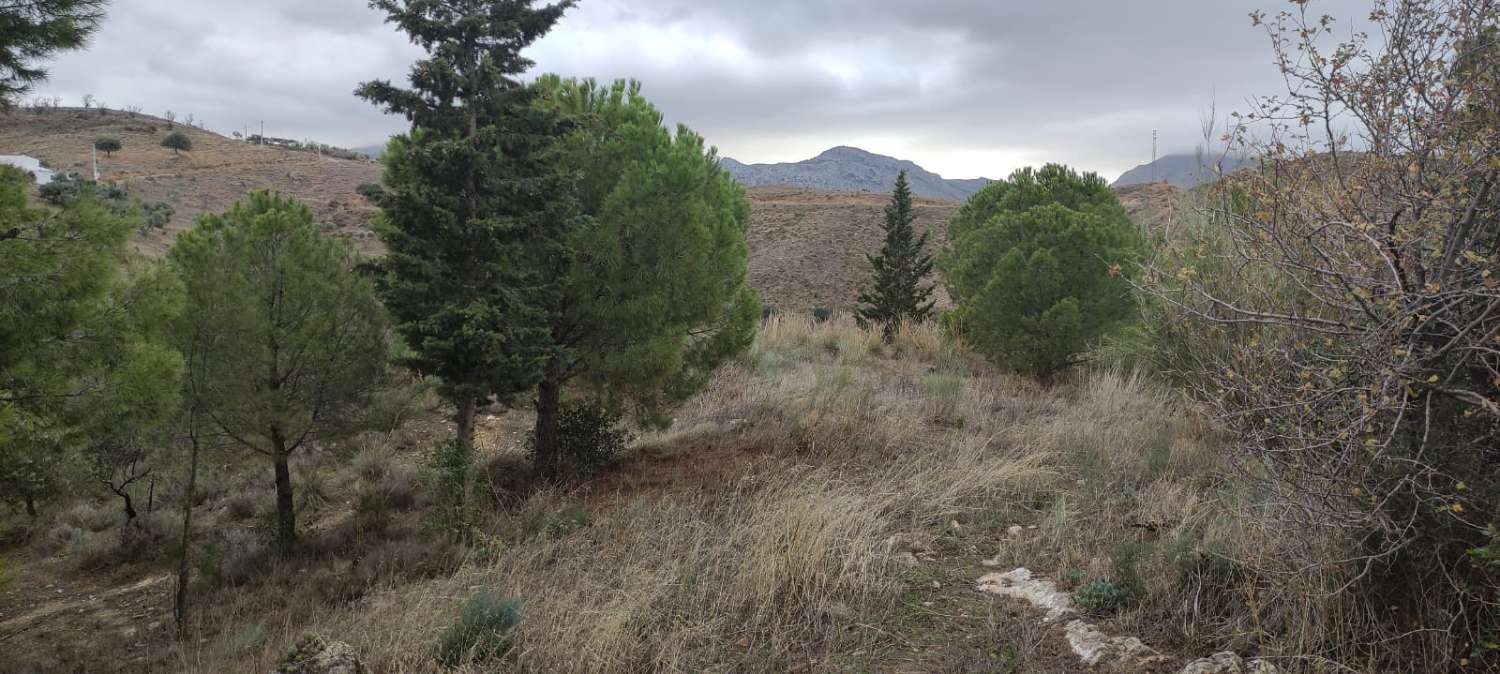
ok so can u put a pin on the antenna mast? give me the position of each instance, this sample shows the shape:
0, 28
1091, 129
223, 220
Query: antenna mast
1153, 155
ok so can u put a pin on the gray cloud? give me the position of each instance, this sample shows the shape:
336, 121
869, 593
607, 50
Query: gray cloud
964, 87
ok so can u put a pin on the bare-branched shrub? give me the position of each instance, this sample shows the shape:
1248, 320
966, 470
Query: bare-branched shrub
1353, 315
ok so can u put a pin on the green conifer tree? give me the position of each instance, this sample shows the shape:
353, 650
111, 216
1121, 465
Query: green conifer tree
474, 202
652, 279
287, 341
898, 295
31, 31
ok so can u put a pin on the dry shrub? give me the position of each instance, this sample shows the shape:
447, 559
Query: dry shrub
92, 516
1349, 313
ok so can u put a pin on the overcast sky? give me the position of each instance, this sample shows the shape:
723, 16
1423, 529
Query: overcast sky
965, 88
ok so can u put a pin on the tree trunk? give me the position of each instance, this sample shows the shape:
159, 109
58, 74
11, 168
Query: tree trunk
129, 506
286, 516
179, 607
31, 507
464, 420
548, 395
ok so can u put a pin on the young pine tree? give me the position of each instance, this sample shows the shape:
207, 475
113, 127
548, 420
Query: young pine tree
652, 279
899, 296
83, 356
1038, 266
286, 339
474, 201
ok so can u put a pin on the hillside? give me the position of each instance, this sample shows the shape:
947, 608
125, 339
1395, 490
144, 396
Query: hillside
212, 177
1182, 170
807, 246
849, 169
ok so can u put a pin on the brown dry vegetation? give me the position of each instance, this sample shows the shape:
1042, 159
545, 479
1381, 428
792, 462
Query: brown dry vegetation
766, 531
210, 178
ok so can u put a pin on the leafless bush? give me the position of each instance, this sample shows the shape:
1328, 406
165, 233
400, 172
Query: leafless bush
1356, 320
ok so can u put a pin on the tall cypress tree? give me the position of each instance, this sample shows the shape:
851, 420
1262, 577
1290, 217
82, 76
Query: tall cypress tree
475, 203
898, 295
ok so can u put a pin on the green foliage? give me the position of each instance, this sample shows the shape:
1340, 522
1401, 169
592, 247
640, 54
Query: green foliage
108, 146
370, 191
1037, 267
35, 32
64, 189
82, 358
588, 433
898, 295
156, 215
822, 314
654, 297
475, 203
452, 464
178, 142
285, 341
482, 631
1103, 597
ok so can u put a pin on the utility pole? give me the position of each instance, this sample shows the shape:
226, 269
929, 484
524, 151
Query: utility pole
1153, 155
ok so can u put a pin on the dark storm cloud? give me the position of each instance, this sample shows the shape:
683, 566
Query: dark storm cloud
965, 87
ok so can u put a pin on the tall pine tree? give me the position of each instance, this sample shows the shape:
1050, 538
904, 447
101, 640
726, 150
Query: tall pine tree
899, 296
475, 203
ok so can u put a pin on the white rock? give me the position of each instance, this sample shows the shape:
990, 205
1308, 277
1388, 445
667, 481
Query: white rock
1228, 663
1020, 584
1094, 647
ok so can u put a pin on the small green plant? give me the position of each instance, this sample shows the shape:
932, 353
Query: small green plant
370, 191
156, 215
1104, 597
822, 314
1073, 577
589, 436
452, 462
482, 631
569, 520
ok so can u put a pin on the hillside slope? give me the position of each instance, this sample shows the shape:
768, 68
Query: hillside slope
850, 169
1183, 170
218, 172
807, 247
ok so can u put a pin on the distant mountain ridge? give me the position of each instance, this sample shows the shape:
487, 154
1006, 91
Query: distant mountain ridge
850, 169
1183, 170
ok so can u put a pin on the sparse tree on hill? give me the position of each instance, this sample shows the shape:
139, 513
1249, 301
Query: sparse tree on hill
898, 295
288, 339
474, 201
178, 141
88, 101
32, 31
1037, 265
652, 277
109, 146
171, 118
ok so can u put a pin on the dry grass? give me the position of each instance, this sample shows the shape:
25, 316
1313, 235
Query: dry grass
789, 562
769, 529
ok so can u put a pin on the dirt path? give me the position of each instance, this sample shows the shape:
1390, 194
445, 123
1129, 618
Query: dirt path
55, 621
